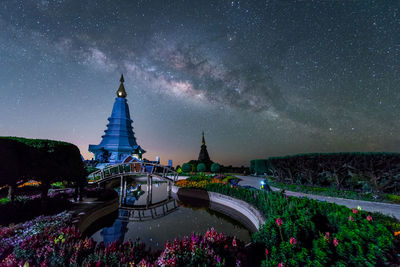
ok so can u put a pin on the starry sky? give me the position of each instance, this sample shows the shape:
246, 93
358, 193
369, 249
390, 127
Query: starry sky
260, 78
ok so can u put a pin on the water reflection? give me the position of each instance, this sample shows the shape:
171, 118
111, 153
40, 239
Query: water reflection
116, 232
149, 211
144, 192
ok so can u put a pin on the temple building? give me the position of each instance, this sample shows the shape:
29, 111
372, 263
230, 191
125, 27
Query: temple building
119, 140
203, 155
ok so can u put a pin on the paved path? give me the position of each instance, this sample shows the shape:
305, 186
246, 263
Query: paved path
385, 208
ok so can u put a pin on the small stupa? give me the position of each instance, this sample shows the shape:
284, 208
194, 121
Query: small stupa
203, 155
119, 140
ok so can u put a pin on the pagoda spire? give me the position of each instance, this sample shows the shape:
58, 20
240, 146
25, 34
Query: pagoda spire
121, 90
203, 155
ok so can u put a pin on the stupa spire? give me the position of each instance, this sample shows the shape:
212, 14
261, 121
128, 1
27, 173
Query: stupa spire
121, 90
203, 155
119, 140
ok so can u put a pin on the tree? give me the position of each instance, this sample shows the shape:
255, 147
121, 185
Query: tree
215, 167
13, 164
50, 161
186, 167
201, 167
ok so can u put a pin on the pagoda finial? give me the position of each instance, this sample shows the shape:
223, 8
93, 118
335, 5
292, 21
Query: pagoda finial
203, 141
121, 90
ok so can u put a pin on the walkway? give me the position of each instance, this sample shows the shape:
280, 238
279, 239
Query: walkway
385, 208
132, 168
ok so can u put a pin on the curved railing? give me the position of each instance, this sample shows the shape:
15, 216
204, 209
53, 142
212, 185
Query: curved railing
132, 168
144, 213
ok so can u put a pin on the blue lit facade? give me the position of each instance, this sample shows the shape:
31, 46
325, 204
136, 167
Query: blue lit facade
119, 140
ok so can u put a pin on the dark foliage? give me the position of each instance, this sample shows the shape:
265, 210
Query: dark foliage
186, 167
215, 167
201, 167
366, 172
43, 160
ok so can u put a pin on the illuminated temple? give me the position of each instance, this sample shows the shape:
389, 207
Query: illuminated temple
119, 140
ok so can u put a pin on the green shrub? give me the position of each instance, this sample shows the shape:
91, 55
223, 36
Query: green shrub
392, 198
4, 200
215, 167
201, 167
259, 166
186, 167
199, 177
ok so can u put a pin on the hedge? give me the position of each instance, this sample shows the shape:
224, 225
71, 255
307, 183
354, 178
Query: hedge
367, 172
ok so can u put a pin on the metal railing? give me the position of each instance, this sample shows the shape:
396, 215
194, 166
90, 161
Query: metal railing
132, 168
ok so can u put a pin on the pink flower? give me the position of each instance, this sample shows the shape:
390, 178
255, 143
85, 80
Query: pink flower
234, 242
369, 218
335, 242
293, 241
355, 211
351, 218
281, 264
327, 235
266, 251
279, 222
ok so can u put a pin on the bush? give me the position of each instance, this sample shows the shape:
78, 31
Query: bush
215, 167
186, 167
201, 167
199, 177
362, 172
259, 166
44, 160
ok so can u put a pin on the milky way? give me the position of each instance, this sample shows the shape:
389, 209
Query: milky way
261, 78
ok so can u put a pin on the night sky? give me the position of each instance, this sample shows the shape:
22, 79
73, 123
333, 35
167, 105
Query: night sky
261, 78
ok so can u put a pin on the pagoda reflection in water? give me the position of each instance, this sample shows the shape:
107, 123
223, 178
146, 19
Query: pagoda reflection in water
137, 203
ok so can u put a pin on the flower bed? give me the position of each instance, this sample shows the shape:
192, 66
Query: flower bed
298, 232
201, 181
14, 235
48, 241
301, 231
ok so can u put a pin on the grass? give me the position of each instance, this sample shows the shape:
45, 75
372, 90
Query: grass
333, 192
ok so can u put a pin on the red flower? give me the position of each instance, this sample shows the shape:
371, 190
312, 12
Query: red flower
279, 222
293, 241
281, 264
369, 218
234, 242
266, 251
335, 242
355, 211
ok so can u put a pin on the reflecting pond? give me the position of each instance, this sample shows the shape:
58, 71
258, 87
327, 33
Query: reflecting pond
149, 211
